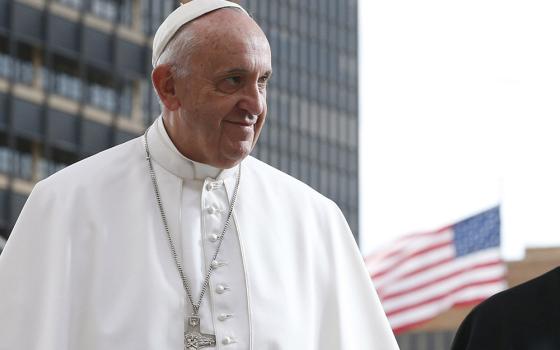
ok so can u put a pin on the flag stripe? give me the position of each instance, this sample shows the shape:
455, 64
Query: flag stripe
422, 275
430, 310
441, 279
412, 249
410, 325
436, 292
428, 260
395, 247
441, 271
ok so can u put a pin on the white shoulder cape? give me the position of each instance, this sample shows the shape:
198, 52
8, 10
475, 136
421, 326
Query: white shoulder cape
87, 265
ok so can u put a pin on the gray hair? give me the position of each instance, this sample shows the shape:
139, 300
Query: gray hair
178, 52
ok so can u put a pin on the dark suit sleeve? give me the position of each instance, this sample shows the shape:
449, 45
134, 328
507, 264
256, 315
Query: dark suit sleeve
462, 337
479, 331
525, 317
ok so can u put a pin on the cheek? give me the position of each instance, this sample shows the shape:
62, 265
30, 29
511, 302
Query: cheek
259, 126
262, 117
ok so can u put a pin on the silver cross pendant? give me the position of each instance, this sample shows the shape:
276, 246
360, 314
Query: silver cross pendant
195, 340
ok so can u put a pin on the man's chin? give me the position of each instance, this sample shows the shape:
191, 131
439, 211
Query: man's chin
234, 155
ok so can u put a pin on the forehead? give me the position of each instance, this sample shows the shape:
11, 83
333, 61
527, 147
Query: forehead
229, 37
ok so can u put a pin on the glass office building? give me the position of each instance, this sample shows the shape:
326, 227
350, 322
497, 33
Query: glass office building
74, 80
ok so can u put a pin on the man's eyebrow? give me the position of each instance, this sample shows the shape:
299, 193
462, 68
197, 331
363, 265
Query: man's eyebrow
236, 70
245, 71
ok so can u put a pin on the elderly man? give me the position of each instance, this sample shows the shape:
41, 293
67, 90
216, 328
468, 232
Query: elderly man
180, 240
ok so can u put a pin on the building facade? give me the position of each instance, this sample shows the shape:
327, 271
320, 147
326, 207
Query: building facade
74, 80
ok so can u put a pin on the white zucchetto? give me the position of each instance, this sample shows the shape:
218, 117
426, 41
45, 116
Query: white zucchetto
184, 14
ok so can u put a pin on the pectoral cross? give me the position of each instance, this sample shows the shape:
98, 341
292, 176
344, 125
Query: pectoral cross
194, 339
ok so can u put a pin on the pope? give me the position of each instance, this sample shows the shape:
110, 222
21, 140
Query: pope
179, 239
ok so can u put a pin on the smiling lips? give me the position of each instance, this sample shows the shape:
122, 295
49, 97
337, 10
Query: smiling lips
244, 122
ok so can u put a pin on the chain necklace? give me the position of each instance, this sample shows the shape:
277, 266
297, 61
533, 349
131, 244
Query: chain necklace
193, 338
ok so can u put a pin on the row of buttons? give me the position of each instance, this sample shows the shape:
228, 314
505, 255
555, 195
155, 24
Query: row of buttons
220, 288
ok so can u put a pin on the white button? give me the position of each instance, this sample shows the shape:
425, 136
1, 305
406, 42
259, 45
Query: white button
215, 264
211, 210
228, 340
212, 185
213, 237
223, 317
220, 288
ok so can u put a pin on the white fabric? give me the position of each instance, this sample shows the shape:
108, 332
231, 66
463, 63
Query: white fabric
182, 15
88, 265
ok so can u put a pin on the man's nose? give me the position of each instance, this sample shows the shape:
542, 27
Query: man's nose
253, 100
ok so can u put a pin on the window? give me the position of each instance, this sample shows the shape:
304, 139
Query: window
6, 160
333, 183
125, 99
5, 65
126, 12
313, 148
106, 9
294, 166
5, 61
154, 12
353, 131
22, 65
333, 126
273, 135
16, 163
324, 152
324, 180
101, 92
47, 167
75, 4
150, 103
63, 79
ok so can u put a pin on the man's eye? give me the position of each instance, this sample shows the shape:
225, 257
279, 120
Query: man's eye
230, 84
263, 83
233, 80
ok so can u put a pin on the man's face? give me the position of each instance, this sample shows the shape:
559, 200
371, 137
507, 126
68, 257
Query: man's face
222, 100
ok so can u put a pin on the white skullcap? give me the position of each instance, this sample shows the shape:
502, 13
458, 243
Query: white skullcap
184, 14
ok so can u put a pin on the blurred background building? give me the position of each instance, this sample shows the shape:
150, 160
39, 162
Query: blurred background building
438, 333
74, 80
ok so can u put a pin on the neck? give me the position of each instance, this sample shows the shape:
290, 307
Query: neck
173, 126
176, 130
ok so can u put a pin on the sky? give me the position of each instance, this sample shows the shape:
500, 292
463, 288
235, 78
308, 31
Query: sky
460, 111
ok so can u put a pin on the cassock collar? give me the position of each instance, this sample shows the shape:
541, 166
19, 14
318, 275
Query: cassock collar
165, 153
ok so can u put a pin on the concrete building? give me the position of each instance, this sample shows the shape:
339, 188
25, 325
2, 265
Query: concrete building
74, 80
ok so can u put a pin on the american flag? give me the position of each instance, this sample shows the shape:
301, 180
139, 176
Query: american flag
422, 275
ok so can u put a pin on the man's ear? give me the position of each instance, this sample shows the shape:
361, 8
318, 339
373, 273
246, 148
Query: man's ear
164, 84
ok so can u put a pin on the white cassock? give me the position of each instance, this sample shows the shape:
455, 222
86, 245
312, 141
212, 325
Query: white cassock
88, 265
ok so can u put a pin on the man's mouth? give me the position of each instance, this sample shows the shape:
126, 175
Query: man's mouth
243, 122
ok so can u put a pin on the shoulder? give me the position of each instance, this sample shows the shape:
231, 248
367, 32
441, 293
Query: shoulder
260, 171
525, 313
282, 184
527, 297
99, 168
305, 206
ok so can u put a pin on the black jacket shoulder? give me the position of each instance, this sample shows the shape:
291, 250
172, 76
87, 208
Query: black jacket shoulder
525, 317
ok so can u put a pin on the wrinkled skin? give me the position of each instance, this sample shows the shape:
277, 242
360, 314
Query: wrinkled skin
215, 113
